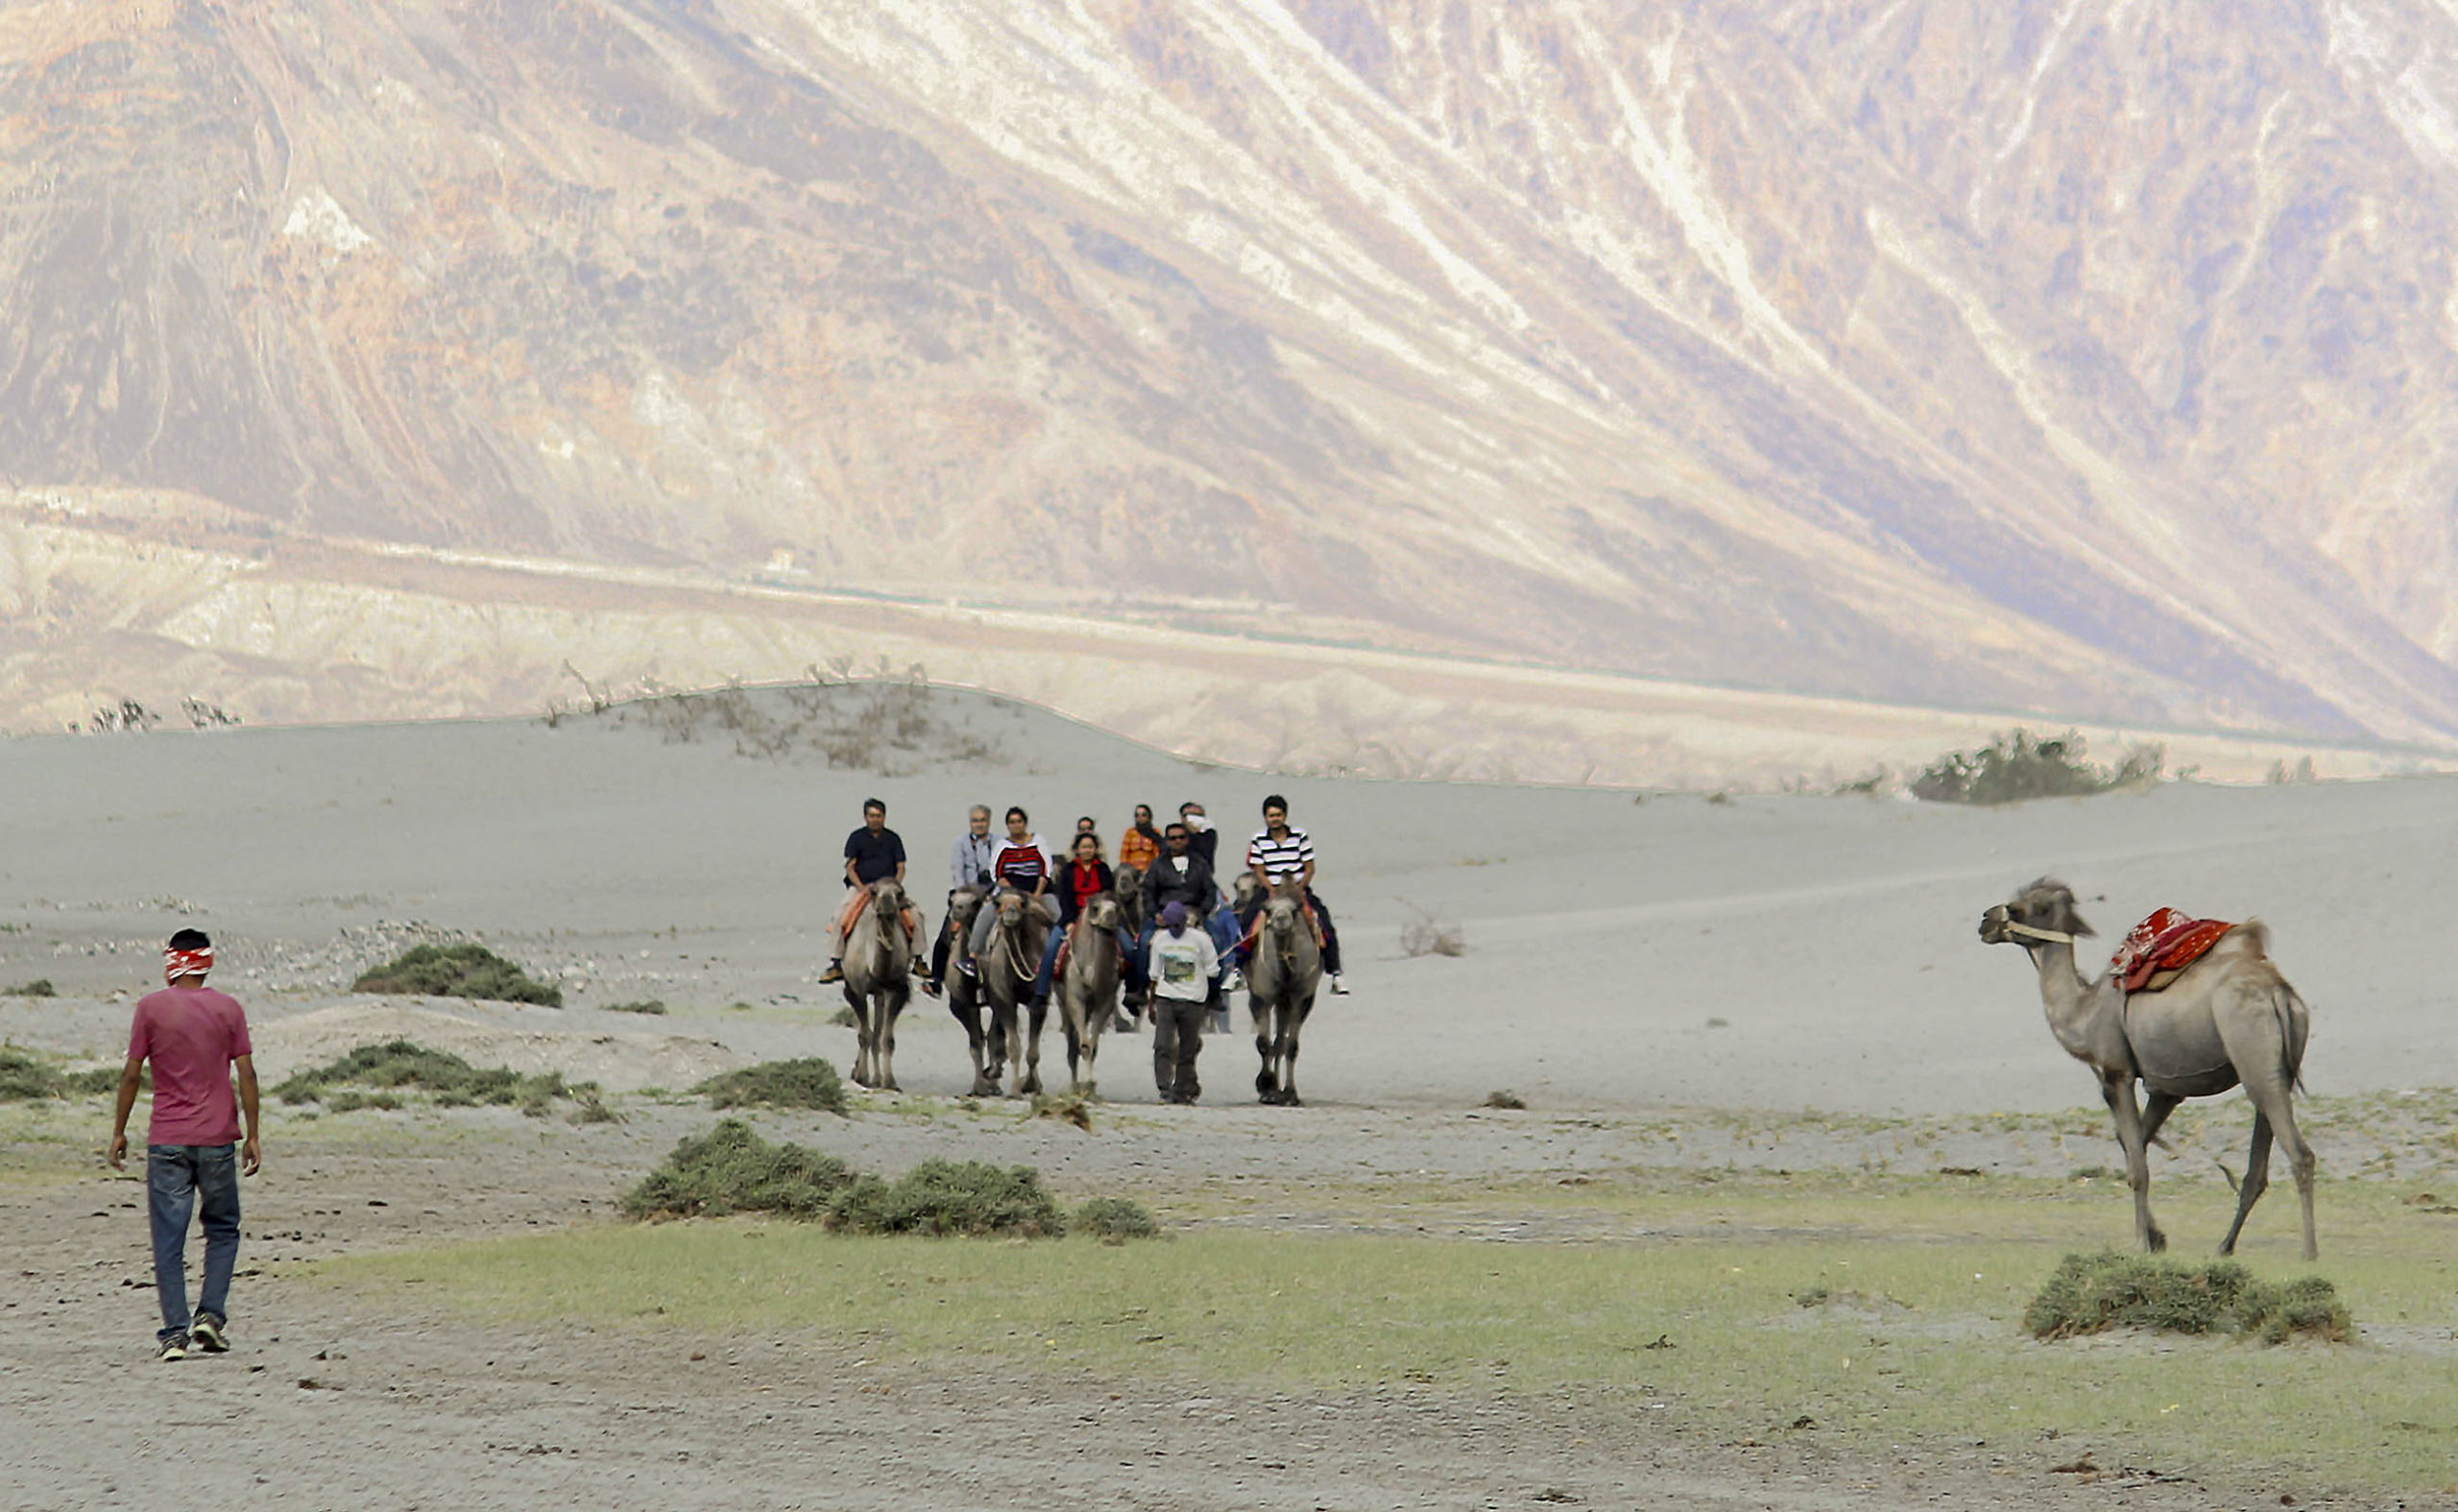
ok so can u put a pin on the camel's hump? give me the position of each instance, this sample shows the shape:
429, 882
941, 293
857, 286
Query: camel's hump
2252, 938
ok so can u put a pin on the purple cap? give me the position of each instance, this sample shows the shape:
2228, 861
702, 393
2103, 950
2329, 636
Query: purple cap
1174, 915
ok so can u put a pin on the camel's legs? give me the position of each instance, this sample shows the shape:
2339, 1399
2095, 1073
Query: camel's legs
2256, 1045
2256, 1180
1267, 1077
1031, 1083
2156, 1109
883, 1058
2118, 1091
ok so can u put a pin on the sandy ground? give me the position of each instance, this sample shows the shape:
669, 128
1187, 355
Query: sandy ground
1666, 979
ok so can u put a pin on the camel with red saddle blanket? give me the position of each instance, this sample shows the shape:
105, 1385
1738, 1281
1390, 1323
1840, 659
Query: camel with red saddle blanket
2189, 1008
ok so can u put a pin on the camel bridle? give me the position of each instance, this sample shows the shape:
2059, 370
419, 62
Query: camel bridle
2008, 924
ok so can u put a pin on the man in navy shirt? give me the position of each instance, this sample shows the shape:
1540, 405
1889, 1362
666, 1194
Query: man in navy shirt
873, 853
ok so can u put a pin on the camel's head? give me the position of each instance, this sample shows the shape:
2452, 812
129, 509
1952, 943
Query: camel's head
1011, 909
1243, 890
1280, 914
1103, 913
964, 905
1129, 882
2046, 907
887, 896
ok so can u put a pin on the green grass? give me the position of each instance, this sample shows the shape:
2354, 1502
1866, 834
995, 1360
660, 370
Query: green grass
2094, 1293
806, 1083
368, 1076
458, 970
1920, 1336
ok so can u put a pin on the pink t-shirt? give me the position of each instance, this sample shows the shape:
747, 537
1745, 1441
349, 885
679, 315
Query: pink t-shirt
191, 1034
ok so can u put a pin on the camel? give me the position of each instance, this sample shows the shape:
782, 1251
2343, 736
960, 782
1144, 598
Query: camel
964, 990
1128, 890
1281, 981
879, 982
2226, 1018
1088, 989
1007, 965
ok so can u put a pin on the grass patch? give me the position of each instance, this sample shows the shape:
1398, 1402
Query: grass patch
1506, 1099
1067, 1107
2094, 1293
1713, 1267
650, 1006
23, 1078
951, 1197
845, 1017
458, 970
1114, 1220
39, 987
368, 1076
731, 1170
807, 1083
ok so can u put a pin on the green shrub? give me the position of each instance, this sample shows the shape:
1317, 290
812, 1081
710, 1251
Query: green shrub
26, 1079
102, 1080
353, 1101
2016, 767
1506, 1099
1067, 1107
2092, 1293
943, 1197
450, 1081
39, 987
731, 1170
458, 970
807, 1083
1114, 1220
651, 1006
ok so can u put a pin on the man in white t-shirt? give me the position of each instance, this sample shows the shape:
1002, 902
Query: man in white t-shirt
1183, 961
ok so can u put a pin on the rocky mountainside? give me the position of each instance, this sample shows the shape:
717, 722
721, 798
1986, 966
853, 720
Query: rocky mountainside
2087, 357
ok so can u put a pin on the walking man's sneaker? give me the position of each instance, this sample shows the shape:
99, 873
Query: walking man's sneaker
175, 1347
835, 972
205, 1332
1339, 989
1234, 982
930, 985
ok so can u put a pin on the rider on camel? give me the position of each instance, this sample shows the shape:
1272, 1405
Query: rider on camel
873, 853
1281, 853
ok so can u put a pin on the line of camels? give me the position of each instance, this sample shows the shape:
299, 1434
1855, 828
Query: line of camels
2228, 1019
1003, 1020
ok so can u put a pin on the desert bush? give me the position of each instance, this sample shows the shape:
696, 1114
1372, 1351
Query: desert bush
39, 987
1505, 1100
651, 1006
397, 1064
1067, 1107
2016, 767
458, 970
25, 1079
949, 1197
354, 1101
102, 1080
592, 1109
731, 1170
1114, 1220
1425, 935
846, 1018
806, 1083
2092, 1293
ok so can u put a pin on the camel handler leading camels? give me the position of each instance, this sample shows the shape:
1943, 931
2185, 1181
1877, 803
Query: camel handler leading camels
873, 853
194, 1157
1281, 853
1183, 963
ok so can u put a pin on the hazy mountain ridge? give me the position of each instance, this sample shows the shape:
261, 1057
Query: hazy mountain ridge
1890, 353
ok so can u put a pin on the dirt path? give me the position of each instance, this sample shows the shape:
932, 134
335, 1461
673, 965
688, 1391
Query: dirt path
334, 1397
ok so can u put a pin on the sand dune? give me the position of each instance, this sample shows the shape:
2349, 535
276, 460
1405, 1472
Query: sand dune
1624, 951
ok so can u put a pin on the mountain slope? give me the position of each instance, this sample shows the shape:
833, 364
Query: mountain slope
2079, 358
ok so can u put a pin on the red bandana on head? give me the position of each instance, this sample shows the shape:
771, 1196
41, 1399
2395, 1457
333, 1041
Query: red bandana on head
177, 964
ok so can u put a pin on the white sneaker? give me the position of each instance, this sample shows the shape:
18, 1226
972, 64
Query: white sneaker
1339, 989
1234, 982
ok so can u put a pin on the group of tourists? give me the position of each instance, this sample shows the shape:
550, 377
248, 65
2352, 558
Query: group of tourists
1176, 886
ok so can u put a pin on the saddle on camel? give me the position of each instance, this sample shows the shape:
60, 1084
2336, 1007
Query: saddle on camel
859, 899
2155, 951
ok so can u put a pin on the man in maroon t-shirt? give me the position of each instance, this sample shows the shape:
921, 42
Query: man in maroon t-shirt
195, 1037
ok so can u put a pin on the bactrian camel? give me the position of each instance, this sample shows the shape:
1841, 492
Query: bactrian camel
2227, 1019
879, 982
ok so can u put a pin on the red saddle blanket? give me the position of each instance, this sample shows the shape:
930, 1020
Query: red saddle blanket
2168, 940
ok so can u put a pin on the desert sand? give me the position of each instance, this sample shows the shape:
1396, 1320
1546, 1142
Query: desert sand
1665, 979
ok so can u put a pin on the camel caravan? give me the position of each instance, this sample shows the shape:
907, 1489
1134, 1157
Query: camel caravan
1153, 936
2189, 1008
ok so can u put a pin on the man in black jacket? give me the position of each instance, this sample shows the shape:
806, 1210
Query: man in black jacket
1182, 876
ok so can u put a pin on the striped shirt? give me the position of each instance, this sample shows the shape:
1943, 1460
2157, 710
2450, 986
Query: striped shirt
1283, 858
1022, 867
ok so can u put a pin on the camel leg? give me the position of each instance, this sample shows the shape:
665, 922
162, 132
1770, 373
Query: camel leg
1097, 1018
861, 1036
883, 1059
2156, 1109
2119, 1094
2256, 1181
1289, 1050
1030, 1086
2257, 1047
1070, 1020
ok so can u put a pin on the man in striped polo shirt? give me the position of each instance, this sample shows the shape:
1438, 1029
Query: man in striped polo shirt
1280, 852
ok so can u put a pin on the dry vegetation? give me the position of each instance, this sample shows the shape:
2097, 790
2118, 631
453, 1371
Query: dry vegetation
2016, 767
458, 970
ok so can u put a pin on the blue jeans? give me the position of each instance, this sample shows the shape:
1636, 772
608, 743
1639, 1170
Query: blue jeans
179, 1177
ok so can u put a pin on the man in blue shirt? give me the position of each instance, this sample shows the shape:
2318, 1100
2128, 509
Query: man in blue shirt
873, 853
